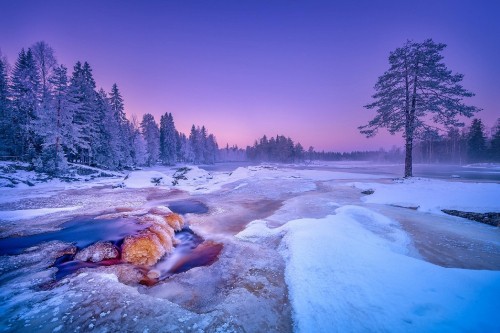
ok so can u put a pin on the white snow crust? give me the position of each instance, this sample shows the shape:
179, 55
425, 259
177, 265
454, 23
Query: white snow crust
24, 214
347, 268
350, 272
143, 179
431, 195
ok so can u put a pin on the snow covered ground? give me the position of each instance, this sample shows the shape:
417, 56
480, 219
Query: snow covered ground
24, 214
431, 195
304, 250
350, 272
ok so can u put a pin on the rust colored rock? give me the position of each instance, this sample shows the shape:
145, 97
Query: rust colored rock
175, 221
98, 252
160, 210
164, 235
145, 248
153, 274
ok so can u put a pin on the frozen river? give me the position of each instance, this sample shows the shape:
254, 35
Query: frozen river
301, 249
439, 171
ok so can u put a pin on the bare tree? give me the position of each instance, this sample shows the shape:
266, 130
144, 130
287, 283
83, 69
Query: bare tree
45, 62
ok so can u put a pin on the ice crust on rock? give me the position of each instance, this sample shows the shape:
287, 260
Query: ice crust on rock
152, 243
98, 252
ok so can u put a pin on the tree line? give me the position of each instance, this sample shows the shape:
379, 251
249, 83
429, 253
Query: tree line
280, 149
49, 117
459, 145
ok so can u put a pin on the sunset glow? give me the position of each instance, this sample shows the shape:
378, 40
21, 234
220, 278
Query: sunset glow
244, 69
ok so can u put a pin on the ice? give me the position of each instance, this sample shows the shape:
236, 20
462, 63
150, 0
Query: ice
98, 252
302, 250
24, 214
349, 272
431, 195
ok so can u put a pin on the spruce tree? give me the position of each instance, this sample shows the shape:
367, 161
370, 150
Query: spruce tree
25, 88
6, 143
85, 97
124, 149
151, 134
495, 142
168, 139
194, 153
476, 141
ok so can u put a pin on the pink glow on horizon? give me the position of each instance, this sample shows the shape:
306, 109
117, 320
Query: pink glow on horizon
245, 69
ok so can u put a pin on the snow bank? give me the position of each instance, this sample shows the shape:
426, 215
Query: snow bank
24, 214
141, 179
192, 177
433, 195
349, 272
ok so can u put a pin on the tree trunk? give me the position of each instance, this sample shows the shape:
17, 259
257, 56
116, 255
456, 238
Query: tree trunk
408, 157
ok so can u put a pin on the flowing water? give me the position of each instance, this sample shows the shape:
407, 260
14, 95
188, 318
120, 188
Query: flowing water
191, 250
81, 232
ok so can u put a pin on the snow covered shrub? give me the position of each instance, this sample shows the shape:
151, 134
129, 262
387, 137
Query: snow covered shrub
51, 162
156, 180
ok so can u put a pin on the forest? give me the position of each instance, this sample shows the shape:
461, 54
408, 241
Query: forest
50, 118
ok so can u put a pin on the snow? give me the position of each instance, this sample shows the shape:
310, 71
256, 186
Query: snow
489, 166
316, 242
431, 195
24, 214
350, 272
142, 179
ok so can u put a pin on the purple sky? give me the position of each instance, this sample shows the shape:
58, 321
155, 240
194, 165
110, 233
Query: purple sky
247, 68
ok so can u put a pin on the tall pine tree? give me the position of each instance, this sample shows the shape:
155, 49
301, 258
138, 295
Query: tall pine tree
417, 90
151, 135
6, 143
25, 89
168, 139
495, 142
83, 88
476, 141
124, 149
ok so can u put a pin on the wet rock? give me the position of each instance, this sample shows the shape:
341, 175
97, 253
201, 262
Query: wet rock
165, 235
486, 218
70, 250
126, 273
153, 274
160, 210
144, 248
175, 221
98, 252
406, 207
156, 240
